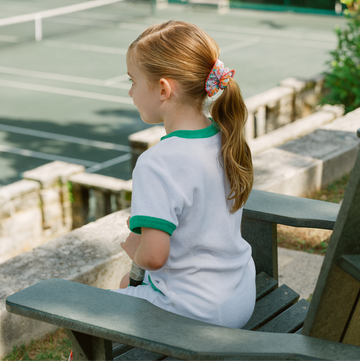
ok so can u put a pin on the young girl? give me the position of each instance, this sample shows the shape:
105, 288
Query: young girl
189, 189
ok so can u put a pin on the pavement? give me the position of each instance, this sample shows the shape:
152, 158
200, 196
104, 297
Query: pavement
299, 270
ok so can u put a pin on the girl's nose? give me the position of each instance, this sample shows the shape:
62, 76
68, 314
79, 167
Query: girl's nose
130, 92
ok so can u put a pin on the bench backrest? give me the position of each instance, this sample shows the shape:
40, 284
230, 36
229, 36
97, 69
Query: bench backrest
334, 312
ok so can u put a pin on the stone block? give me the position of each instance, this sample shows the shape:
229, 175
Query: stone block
146, 138
67, 209
297, 84
284, 172
98, 181
50, 195
18, 196
303, 165
338, 163
51, 173
143, 140
91, 255
291, 131
21, 232
52, 212
268, 98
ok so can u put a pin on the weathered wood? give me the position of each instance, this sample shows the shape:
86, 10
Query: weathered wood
270, 306
335, 287
336, 304
138, 323
291, 211
351, 265
137, 354
86, 347
264, 285
288, 321
262, 236
119, 349
352, 334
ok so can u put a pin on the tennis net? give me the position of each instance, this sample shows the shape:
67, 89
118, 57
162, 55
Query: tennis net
63, 19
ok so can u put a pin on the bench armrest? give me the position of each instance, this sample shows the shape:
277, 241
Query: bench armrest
264, 210
136, 322
291, 211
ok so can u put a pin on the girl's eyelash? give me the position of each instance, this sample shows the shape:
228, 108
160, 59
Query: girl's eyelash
130, 80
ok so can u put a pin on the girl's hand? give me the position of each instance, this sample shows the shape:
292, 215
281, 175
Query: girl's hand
131, 244
128, 222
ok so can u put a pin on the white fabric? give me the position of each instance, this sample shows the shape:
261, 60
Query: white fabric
210, 274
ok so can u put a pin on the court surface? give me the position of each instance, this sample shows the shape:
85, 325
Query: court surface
66, 97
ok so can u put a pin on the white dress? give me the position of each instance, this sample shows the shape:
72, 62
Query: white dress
180, 187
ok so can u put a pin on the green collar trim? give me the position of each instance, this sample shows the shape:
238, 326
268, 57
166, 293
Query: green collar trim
195, 134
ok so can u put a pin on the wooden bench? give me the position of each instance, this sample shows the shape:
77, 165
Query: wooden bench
103, 325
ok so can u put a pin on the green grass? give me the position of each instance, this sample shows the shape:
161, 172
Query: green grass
56, 346
334, 192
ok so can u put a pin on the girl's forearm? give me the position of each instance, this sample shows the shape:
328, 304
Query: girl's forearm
153, 250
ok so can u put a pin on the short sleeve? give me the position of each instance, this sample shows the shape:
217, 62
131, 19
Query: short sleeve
157, 199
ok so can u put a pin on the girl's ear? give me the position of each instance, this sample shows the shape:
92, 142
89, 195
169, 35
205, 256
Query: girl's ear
166, 87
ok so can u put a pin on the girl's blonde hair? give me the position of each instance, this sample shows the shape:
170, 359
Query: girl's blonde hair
186, 54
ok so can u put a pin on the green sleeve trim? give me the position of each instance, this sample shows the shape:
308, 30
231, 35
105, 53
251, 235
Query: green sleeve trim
195, 134
136, 222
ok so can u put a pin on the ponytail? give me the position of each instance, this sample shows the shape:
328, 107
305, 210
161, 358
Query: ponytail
230, 113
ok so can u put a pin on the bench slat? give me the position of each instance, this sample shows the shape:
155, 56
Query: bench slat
137, 354
118, 349
264, 285
270, 306
129, 320
290, 320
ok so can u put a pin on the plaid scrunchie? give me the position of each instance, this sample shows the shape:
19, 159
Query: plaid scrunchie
218, 78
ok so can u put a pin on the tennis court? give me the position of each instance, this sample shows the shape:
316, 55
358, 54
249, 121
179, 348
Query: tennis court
65, 97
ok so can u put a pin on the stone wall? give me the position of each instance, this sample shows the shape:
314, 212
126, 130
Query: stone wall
52, 200
293, 99
91, 255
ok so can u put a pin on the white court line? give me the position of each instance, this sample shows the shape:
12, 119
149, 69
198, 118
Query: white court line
133, 26
9, 38
117, 79
109, 163
305, 43
235, 29
301, 43
112, 83
56, 12
85, 47
40, 155
81, 22
64, 91
239, 45
268, 32
65, 138
97, 16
